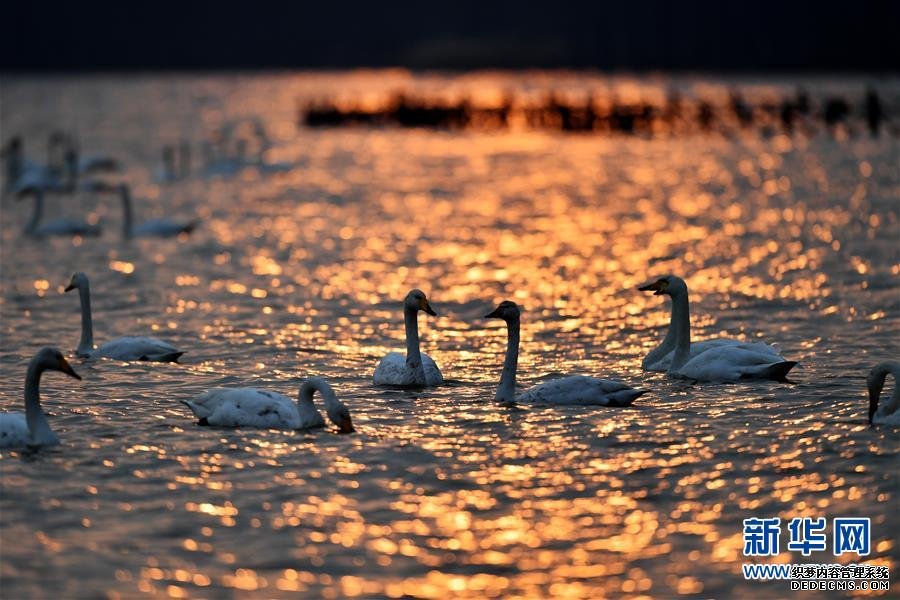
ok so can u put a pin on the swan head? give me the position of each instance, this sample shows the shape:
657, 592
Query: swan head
506, 310
79, 281
416, 301
53, 360
669, 285
13, 147
340, 415
875, 383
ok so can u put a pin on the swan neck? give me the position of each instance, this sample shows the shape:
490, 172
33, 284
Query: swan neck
86, 345
313, 385
876, 385
413, 354
681, 326
70, 169
37, 211
38, 427
13, 159
666, 346
127, 216
506, 391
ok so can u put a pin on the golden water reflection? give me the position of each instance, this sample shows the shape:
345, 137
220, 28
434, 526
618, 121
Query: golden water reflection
441, 493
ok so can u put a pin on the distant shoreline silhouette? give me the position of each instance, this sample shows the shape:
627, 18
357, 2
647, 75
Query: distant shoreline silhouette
791, 114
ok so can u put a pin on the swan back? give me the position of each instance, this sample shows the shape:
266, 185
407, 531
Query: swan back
252, 407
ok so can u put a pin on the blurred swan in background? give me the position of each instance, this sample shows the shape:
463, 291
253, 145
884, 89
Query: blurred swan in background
32, 428
21, 174
252, 407
64, 156
64, 166
887, 412
176, 162
715, 360
122, 348
150, 228
415, 369
574, 390
237, 145
58, 226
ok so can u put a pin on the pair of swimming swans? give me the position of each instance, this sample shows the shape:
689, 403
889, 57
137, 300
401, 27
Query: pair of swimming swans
717, 360
226, 408
419, 370
161, 227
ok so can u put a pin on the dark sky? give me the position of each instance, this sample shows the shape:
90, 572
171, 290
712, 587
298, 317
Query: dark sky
722, 35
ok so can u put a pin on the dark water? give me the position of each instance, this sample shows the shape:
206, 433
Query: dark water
441, 492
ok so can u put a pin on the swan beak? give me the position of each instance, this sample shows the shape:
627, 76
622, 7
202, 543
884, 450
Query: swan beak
659, 287
424, 306
69, 287
67, 369
494, 314
346, 426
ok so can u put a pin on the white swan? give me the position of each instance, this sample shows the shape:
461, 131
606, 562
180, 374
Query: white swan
32, 428
575, 389
716, 360
58, 226
123, 348
888, 412
21, 173
415, 369
252, 407
149, 228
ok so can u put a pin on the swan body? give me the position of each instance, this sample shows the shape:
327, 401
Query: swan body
135, 348
887, 412
31, 428
60, 226
126, 348
89, 165
720, 360
151, 228
656, 363
262, 409
414, 369
578, 390
162, 228
394, 370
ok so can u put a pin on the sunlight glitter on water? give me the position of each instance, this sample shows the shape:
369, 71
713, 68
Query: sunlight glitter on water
443, 492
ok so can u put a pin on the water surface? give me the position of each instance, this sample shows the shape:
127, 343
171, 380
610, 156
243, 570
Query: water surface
441, 492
